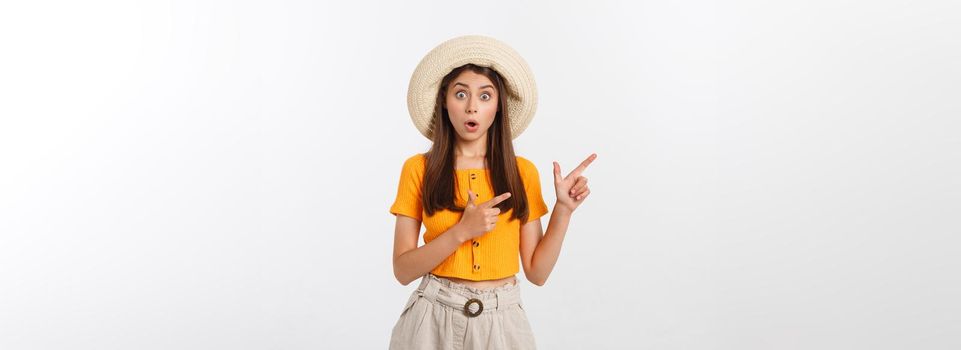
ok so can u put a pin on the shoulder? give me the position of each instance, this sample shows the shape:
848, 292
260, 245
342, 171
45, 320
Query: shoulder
415, 161
524, 162
525, 166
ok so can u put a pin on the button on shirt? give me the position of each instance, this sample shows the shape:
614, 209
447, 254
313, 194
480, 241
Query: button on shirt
495, 254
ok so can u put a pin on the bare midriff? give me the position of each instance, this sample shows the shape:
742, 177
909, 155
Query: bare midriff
486, 284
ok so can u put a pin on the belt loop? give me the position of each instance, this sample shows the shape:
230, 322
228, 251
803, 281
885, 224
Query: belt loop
499, 299
423, 282
430, 291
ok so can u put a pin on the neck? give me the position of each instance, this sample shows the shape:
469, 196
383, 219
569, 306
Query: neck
475, 148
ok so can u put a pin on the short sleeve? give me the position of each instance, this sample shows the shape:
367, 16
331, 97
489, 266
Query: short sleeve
532, 186
408, 200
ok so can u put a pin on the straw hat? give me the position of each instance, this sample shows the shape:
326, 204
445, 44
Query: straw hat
483, 51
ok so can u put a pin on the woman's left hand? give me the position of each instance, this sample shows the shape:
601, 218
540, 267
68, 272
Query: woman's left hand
572, 189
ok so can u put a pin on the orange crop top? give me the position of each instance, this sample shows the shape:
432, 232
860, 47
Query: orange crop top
494, 255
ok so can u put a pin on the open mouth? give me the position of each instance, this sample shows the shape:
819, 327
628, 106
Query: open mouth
471, 125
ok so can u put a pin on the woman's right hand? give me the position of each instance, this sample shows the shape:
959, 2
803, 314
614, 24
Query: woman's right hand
479, 219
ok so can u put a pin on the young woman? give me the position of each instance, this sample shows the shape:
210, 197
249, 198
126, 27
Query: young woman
480, 203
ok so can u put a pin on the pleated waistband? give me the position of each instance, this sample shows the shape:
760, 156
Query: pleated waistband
457, 295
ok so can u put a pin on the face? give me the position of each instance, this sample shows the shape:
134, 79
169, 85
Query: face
471, 102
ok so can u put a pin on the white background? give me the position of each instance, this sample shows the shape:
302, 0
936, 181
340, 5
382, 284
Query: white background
217, 175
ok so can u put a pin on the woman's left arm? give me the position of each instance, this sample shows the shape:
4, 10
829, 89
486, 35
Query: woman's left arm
539, 252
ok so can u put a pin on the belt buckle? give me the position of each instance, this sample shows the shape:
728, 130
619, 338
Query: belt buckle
480, 307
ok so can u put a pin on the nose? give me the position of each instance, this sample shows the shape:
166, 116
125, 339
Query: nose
471, 105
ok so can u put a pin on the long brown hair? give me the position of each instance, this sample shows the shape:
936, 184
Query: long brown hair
438, 186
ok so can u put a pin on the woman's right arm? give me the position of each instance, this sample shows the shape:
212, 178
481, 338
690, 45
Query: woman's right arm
410, 261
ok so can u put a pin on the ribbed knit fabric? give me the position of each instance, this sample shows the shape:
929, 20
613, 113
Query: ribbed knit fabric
493, 255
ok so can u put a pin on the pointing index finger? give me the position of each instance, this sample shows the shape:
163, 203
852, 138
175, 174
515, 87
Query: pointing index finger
494, 201
580, 168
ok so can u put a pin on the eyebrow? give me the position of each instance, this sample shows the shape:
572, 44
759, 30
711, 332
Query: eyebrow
465, 85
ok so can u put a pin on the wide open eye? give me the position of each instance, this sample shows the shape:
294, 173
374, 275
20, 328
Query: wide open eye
460, 94
485, 96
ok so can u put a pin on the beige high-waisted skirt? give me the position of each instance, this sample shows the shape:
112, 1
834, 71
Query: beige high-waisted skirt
443, 314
